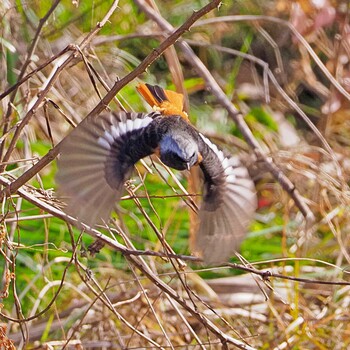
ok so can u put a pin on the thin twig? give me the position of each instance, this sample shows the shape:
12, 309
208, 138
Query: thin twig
51, 155
133, 252
235, 114
51, 82
290, 26
24, 68
102, 296
36, 70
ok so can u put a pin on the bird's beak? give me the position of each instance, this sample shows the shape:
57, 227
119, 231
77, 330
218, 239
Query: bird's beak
188, 166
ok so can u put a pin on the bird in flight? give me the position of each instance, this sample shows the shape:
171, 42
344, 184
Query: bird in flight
98, 156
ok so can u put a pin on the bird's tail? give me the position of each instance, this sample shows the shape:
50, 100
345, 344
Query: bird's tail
166, 102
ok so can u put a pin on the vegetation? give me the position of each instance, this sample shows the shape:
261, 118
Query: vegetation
283, 68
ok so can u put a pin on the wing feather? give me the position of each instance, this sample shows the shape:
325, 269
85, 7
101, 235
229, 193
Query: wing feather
96, 159
229, 203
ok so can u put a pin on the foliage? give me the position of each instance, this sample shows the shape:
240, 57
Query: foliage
297, 108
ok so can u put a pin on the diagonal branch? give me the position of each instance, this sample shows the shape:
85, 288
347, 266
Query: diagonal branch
233, 112
24, 68
51, 82
170, 40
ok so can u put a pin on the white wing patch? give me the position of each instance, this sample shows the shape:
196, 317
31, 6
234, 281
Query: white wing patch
129, 125
115, 131
108, 136
138, 122
104, 143
221, 230
228, 164
81, 173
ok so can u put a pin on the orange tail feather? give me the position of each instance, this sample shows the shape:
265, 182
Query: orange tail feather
166, 101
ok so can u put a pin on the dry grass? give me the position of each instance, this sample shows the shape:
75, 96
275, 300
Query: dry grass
290, 95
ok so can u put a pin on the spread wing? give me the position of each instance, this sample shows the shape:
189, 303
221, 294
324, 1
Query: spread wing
98, 157
229, 203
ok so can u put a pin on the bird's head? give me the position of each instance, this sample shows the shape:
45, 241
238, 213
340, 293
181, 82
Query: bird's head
178, 152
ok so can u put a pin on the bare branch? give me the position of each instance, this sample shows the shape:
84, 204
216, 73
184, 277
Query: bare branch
51, 155
24, 68
236, 115
53, 79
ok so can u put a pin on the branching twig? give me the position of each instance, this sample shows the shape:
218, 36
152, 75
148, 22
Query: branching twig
50, 83
132, 256
23, 69
298, 36
133, 252
236, 115
51, 155
38, 69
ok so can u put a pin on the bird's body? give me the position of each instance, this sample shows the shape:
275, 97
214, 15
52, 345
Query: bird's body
99, 155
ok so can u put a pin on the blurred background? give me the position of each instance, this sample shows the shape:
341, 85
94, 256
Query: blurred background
285, 66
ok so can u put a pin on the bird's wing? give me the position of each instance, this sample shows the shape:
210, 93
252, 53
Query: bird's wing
229, 203
98, 157
165, 101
